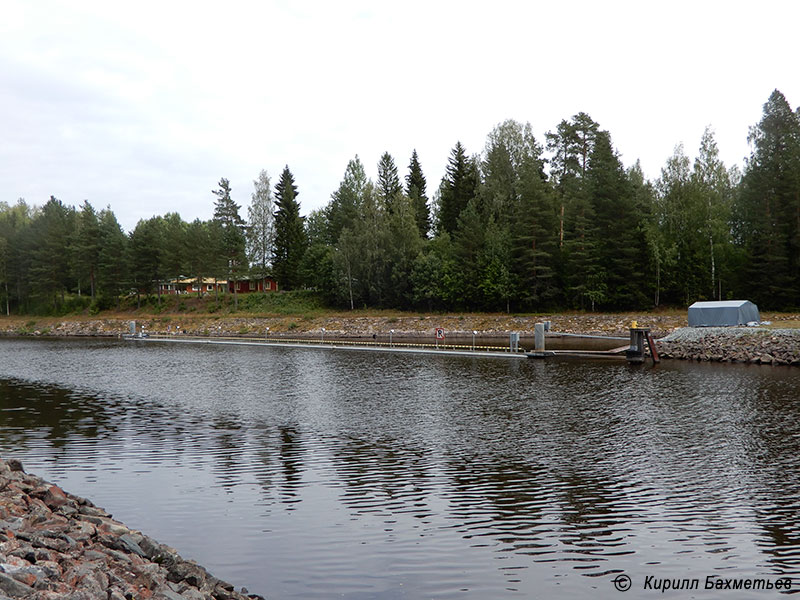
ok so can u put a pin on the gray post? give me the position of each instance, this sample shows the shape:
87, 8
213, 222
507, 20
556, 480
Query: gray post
513, 344
538, 337
635, 353
132, 327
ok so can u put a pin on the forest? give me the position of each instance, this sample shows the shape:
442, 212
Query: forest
525, 225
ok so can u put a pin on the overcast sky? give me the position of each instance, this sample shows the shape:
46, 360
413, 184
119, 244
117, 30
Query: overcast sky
144, 106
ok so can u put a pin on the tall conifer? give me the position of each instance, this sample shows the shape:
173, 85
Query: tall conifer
290, 235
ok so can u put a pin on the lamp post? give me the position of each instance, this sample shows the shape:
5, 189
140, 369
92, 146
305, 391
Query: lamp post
474, 333
323, 335
391, 333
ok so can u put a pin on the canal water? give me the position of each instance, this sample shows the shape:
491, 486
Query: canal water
305, 473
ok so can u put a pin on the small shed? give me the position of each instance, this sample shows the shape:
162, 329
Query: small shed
723, 313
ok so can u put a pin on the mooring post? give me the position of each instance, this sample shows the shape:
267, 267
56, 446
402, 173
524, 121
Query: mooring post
538, 337
635, 353
653, 350
132, 327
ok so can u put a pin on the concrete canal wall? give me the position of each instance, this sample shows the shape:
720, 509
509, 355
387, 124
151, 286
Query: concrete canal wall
54, 545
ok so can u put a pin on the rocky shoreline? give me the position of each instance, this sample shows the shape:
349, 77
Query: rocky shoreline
403, 325
734, 345
54, 545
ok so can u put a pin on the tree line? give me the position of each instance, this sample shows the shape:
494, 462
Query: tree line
524, 225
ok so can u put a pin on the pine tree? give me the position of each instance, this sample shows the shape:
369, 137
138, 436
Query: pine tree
112, 266
571, 144
50, 259
146, 257
415, 189
226, 214
86, 247
290, 236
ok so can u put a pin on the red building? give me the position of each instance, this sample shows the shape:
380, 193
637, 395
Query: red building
245, 286
211, 286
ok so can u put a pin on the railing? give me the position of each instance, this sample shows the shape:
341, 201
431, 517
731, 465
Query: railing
338, 342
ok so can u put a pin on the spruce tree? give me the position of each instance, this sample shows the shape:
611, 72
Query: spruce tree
346, 202
388, 181
415, 189
459, 185
290, 235
619, 247
769, 205
535, 239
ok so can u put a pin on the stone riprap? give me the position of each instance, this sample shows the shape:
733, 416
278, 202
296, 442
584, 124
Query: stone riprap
54, 545
733, 344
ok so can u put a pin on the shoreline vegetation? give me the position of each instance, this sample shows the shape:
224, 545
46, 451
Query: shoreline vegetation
54, 544
775, 344
524, 225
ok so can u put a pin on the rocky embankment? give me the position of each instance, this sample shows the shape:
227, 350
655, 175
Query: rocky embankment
733, 344
339, 325
54, 545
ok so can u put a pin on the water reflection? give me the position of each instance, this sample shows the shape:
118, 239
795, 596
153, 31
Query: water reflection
375, 475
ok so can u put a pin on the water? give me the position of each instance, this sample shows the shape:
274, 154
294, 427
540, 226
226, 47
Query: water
303, 473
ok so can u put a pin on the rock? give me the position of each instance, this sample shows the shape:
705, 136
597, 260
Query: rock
166, 593
14, 588
130, 545
56, 546
93, 511
110, 526
55, 497
15, 465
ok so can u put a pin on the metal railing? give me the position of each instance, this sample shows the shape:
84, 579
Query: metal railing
336, 342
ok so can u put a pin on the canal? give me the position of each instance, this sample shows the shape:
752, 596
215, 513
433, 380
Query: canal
305, 473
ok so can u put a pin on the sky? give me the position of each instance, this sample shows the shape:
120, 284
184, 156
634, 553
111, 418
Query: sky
144, 106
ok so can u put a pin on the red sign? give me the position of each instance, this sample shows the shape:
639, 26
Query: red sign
439, 333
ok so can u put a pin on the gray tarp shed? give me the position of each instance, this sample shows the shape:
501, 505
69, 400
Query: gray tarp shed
720, 314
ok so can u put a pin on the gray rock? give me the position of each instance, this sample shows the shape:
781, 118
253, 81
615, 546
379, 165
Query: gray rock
15, 465
166, 593
130, 545
93, 511
14, 588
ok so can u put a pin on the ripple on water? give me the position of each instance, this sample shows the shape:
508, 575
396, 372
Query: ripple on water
301, 473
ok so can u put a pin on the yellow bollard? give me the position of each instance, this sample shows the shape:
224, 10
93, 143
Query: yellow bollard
633, 324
